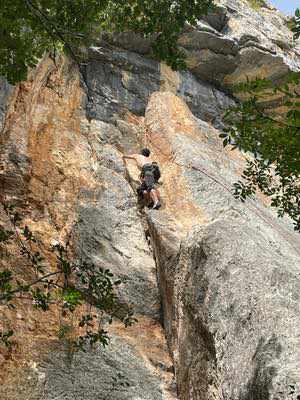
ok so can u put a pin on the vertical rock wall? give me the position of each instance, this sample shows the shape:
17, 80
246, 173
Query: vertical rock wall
67, 178
228, 274
5, 91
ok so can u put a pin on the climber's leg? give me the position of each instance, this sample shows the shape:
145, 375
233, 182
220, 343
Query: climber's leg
155, 199
153, 196
157, 194
150, 185
147, 197
140, 192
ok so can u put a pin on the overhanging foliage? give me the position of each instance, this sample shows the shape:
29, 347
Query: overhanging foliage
272, 140
59, 282
28, 28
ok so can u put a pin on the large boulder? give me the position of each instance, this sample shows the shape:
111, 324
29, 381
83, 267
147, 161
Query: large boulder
228, 273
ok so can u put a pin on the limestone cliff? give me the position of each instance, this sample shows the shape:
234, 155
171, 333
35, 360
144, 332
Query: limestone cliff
233, 42
214, 283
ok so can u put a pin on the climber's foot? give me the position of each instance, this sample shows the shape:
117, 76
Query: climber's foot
156, 205
151, 205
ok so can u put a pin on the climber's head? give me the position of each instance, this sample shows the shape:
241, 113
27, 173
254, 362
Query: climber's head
145, 152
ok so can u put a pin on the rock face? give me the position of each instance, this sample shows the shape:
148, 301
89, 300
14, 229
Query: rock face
234, 42
5, 91
250, 42
122, 80
67, 178
216, 292
229, 274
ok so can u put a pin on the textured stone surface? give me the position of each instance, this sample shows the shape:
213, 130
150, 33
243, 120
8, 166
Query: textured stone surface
252, 42
228, 273
135, 366
232, 43
67, 177
5, 91
120, 80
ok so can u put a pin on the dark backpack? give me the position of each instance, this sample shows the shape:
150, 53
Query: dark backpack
156, 171
152, 169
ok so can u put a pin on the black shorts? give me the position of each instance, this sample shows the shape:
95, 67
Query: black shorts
148, 183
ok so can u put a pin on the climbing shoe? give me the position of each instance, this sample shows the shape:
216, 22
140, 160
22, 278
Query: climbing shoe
156, 206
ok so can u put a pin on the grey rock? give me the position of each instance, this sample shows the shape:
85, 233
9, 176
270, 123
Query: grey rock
68, 180
263, 32
115, 373
121, 135
110, 234
228, 278
5, 92
267, 29
127, 40
198, 40
245, 348
218, 19
230, 284
121, 80
219, 48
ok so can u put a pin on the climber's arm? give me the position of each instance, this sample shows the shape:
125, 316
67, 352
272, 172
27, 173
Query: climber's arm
130, 156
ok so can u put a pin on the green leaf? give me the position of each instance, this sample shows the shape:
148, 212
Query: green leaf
28, 29
5, 235
5, 337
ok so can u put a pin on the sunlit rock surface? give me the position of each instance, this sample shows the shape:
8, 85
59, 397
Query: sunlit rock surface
214, 283
233, 42
228, 273
250, 42
67, 178
122, 80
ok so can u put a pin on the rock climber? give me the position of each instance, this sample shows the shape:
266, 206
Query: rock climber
150, 174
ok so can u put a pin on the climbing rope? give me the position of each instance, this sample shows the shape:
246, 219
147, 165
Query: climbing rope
252, 207
172, 158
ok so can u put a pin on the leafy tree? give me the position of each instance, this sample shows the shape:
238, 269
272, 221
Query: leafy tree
28, 28
295, 24
163, 19
273, 141
61, 283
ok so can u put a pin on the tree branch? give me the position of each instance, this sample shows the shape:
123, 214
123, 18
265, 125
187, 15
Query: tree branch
41, 15
20, 290
262, 114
